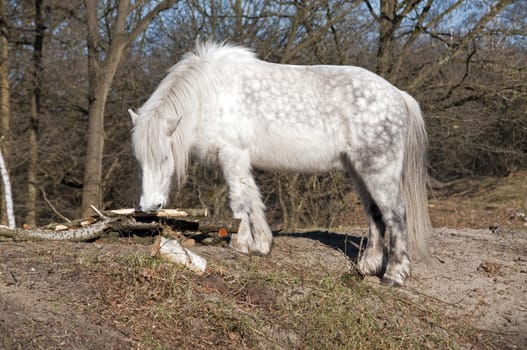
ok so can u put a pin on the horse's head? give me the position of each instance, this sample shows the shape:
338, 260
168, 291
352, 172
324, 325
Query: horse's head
153, 149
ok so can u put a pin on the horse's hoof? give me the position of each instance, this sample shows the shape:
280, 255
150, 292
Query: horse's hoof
240, 248
261, 248
251, 247
261, 251
249, 251
372, 266
387, 281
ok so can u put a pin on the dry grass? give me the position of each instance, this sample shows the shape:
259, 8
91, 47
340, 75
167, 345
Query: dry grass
474, 203
242, 305
481, 203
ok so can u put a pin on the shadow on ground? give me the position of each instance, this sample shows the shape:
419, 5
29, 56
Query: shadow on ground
348, 244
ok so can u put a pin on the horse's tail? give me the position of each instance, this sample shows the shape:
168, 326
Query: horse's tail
415, 181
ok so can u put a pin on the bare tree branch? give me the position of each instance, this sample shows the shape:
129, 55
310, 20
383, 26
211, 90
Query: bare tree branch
448, 56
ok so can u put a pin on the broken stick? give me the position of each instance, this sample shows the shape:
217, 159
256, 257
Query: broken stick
171, 250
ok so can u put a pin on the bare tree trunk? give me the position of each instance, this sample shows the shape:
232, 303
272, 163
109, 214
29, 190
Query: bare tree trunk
31, 199
35, 113
91, 191
8, 196
386, 32
4, 79
390, 17
238, 13
101, 73
4, 98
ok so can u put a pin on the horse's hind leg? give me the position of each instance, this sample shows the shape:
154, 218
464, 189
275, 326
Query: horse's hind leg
389, 201
254, 234
398, 269
383, 202
373, 260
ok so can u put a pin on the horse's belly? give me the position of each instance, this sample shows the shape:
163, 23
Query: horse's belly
295, 153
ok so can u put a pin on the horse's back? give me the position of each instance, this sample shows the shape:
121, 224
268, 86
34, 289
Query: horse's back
323, 97
302, 117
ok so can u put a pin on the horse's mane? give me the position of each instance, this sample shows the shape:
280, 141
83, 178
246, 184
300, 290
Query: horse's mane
177, 103
213, 51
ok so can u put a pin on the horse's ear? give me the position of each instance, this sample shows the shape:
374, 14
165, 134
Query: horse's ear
134, 116
172, 125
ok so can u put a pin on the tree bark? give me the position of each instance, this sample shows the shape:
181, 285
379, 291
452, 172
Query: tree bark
35, 113
91, 191
386, 32
98, 91
4, 80
4, 99
101, 73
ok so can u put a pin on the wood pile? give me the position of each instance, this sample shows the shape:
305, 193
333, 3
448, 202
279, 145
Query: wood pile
174, 228
192, 223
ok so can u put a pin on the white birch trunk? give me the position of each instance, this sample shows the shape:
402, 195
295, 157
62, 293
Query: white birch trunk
8, 195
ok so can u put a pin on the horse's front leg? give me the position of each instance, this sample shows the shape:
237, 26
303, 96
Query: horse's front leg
254, 234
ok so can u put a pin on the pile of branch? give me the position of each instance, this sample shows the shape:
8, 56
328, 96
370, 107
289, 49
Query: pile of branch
193, 223
186, 223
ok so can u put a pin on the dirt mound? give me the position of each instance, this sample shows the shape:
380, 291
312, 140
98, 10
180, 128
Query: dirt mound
304, 295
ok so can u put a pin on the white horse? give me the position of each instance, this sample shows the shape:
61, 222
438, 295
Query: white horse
224, 106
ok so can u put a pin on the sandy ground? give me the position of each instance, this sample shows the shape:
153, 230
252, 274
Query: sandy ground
479, 277
482, 276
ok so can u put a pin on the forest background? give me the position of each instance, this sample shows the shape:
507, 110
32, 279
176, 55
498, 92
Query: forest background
70, 70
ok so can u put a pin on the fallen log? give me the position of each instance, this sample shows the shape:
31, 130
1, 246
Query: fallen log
88, 233
187, 221
133, 226
162, 213
192, 227
204, 225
